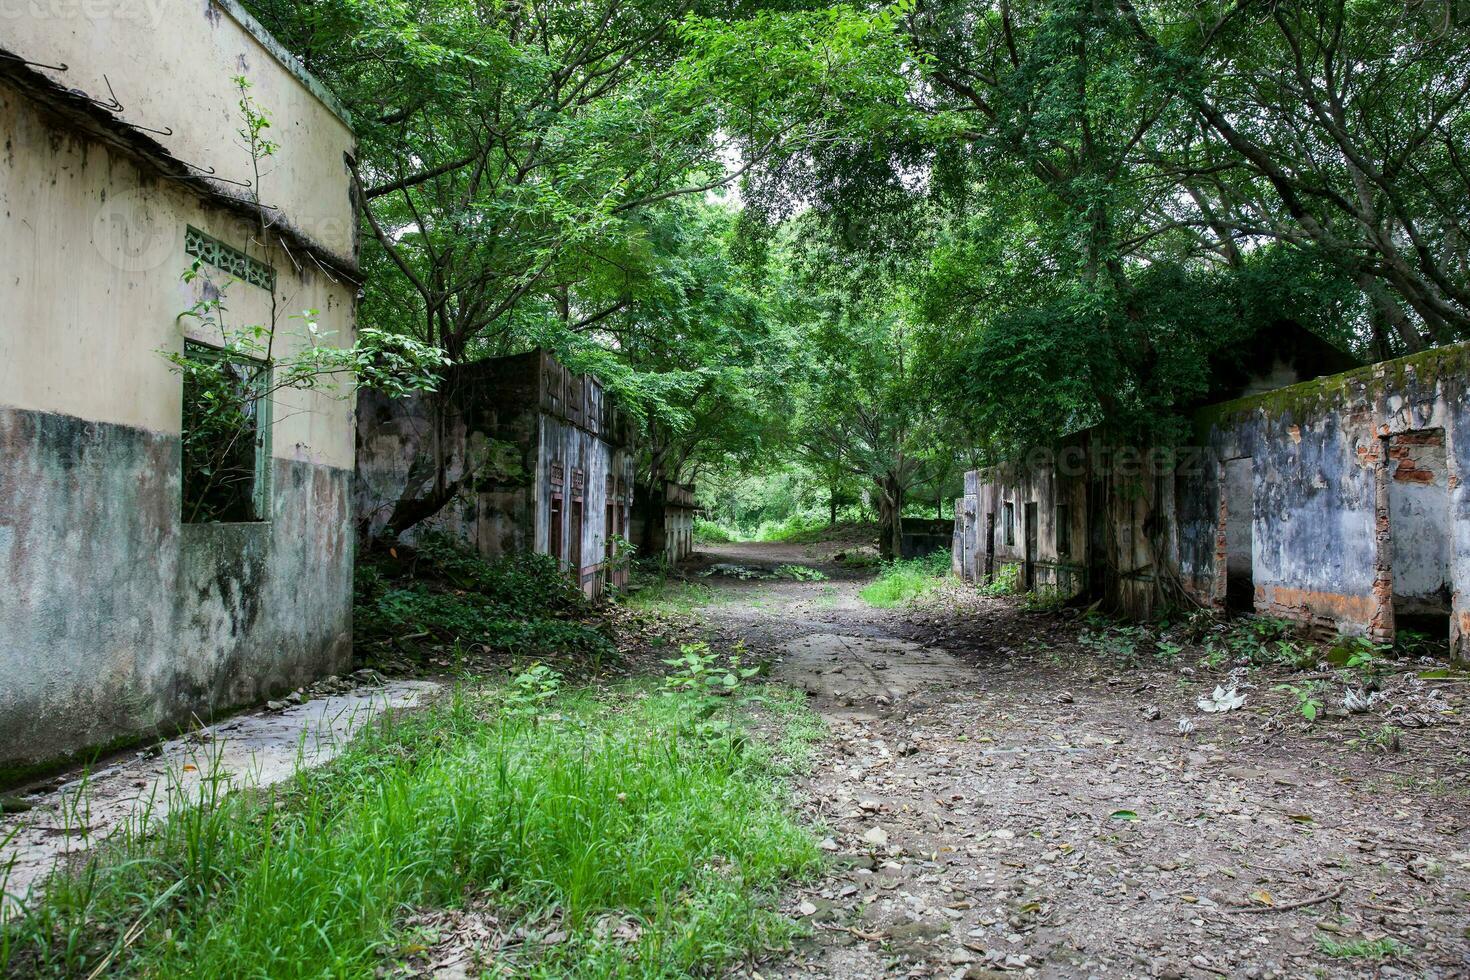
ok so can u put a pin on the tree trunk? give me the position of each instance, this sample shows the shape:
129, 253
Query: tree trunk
890, 519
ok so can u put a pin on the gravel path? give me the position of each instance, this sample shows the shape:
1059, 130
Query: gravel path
998, 801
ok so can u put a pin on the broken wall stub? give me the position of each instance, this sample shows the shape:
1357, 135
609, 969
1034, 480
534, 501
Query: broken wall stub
663, 520
118, 618
1338, 503
1360, 511
538, 458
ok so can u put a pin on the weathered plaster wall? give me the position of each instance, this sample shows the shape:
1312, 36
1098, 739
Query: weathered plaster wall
116, 620
172, 65
506, 426
93, 248
1354, 511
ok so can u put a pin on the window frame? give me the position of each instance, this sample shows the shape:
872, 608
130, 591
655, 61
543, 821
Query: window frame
260, 490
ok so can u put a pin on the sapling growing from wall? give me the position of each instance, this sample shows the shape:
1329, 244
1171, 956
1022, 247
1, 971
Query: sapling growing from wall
231, 382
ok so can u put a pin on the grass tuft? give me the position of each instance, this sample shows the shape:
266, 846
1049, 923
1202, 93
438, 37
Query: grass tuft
901, 582
589, 803
1360, 949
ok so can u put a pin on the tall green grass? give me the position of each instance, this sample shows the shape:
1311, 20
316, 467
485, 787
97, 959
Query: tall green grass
712, 532
626, 802
900, 582
794, 528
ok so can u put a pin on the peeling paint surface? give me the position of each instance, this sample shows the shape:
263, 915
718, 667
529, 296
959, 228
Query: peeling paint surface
118, 621
1354, 487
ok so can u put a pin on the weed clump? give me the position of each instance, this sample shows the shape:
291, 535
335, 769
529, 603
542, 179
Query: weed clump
551, 809
902, 581
438, 594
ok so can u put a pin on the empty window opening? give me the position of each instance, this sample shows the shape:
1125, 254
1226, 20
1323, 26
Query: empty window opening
225, 436
1419, 522
1240, 514
1064, 531
1008, 524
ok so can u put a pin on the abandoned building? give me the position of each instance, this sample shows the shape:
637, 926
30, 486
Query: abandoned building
663, 521
1338, 502
138, 595
513, 454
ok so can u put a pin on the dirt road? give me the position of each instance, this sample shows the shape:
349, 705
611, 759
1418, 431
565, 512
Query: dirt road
998, 800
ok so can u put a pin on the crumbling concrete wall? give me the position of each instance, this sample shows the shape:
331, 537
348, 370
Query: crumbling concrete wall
1359, 509
117, 619
542, 462
1338, 503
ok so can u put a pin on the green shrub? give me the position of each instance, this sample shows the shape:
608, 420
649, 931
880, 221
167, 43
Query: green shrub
902, 581
521, 605
797, 527
1007, 581
712, 532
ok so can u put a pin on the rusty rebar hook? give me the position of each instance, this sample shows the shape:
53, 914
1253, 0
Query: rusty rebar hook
165, 131
34, 64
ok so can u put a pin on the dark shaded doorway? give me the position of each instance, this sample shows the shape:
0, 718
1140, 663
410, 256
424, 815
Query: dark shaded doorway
1419, 522
989, 546
1031, 537
575, 541
1240, 515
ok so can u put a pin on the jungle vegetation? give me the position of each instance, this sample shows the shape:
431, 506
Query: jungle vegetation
864, 246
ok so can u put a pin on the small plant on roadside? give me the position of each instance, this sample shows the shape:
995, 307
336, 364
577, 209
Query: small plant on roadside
1384, 738
1128, 646
1006, 581
531, 690
698, 670
1047, 598
1167, 653
1362, 658
1308, 697
1295, 655
1361, 949
1412, 643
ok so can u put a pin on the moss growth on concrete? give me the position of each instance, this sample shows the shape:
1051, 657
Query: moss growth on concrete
1309, 397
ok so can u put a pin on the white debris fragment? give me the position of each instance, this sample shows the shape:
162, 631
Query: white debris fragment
1221, 700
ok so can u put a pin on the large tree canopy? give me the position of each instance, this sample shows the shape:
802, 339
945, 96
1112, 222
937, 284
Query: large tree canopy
853, 235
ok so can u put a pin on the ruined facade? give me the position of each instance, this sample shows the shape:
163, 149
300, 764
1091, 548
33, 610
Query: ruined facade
1337, 502
122, 169
663, 521
534, 457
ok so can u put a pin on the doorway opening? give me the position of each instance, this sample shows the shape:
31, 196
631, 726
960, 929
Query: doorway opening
990, 546
575, 541
1240, 515
555, 532
1419, 522
1031, 538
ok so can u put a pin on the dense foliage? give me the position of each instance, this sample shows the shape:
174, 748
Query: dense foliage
438, 597
944, 229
